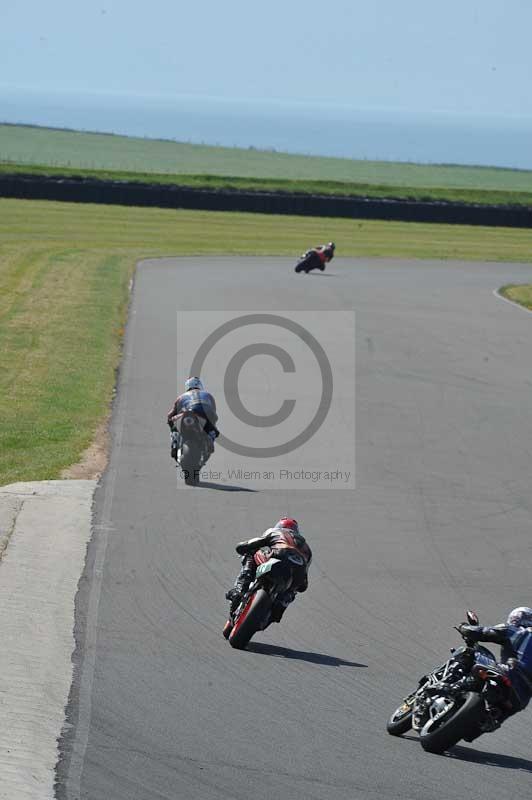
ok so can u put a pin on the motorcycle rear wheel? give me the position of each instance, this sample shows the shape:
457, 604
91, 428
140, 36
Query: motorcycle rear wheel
440, 735
189, 464
250, 621
191, 477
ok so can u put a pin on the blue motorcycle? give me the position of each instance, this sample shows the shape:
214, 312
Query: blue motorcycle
443, 712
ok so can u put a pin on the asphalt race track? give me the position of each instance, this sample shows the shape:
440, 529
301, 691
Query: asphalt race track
441, 520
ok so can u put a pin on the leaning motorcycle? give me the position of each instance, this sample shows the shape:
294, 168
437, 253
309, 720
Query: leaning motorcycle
273, 577
309, 261
191, 445
443, 713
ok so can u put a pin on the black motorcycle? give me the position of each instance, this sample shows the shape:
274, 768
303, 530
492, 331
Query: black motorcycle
191, 447
309, 261
444, 713
273, 577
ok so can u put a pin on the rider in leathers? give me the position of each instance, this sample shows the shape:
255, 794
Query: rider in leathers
515, 638
326, 252
281, 541
198, 401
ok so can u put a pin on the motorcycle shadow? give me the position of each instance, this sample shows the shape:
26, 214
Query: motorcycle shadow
224, 487
319, 274
301, 655
490, 759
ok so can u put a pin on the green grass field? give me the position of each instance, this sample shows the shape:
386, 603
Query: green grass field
64, 274
519, 294
166, 161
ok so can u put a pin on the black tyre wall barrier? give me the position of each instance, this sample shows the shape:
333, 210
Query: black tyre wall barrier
84, 190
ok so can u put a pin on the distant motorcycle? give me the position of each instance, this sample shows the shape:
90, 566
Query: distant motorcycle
441, 712
274, 576
310, 260
191, 445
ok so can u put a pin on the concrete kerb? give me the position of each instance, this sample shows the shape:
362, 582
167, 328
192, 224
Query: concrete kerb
497, 293
44, 531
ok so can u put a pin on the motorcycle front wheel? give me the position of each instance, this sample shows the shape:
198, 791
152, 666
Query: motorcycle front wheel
306, 264
401, 720
250, 620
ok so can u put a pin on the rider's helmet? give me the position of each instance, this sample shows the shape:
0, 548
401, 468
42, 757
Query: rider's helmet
329, 249
331, 246
520, 617
193, 383
288, 524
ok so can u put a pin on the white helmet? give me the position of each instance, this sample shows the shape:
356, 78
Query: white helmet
193, 383
520, 617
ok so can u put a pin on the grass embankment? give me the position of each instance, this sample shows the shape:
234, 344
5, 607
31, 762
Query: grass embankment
336, 188
64, 273
46, 151
519, 294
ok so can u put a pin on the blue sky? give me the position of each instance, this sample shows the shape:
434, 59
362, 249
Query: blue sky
470, 57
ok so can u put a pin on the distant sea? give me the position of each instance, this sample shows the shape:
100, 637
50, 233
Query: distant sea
326, 130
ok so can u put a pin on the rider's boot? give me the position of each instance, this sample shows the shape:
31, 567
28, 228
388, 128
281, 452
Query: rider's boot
234, 595
174, 445
242, 582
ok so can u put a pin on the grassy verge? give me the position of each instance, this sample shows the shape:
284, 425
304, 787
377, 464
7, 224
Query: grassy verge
60, 151
519, 294
320, 187
64, 273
